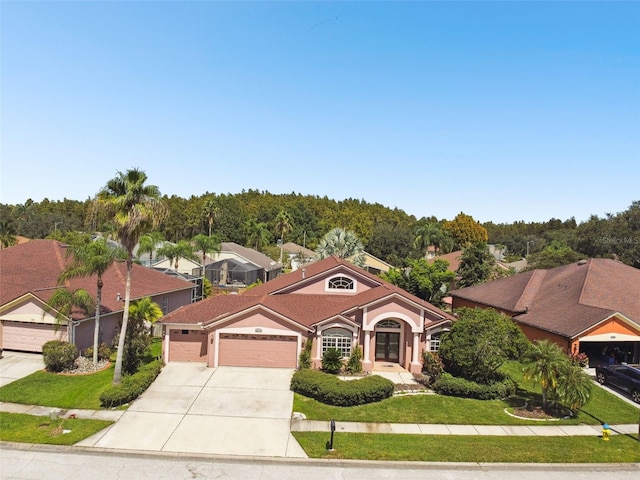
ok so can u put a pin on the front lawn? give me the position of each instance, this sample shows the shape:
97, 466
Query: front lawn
452, 448
62, 391
18, 427
602, 407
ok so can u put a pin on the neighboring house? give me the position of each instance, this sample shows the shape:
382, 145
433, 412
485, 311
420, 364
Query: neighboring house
375, 265
29, 278
592, 306
452, 258
298, 255
330, 302
265, 268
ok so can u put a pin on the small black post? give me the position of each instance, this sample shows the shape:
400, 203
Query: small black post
333, 429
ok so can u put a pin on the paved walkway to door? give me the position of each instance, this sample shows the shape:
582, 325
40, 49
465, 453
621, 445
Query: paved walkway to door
191, 408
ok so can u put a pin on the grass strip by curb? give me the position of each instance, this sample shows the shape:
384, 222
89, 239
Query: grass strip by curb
485, 449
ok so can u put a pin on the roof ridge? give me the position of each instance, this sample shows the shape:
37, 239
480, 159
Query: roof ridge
584, 283
530, 290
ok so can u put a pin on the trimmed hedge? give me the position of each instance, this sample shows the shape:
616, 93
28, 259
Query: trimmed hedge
447, 384
58, 355
132, 386
331, 390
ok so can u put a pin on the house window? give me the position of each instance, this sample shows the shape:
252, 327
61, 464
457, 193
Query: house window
338, 338
165, 304
388, 324
341, 283
434, 343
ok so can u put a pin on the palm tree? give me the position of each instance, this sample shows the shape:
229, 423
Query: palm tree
257, 233
175, 251
92, 258
426, 235
148, 244
210, 212
142, 315
136, 209
7, 234
574, 387
343, 244
545, 364
205, 244
64, 303
283, 226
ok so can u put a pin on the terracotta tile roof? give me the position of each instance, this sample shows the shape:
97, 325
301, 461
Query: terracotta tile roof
566, 300
304, 309
453, 258
35, 266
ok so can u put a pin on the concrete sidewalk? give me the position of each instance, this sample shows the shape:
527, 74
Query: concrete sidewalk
439, 429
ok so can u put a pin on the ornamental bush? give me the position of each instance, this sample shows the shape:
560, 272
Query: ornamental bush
331, 390
132, 386
58, 355
305, 354
104, 352
447, 384
332, 360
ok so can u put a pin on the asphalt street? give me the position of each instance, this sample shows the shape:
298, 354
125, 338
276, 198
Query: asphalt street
67, 463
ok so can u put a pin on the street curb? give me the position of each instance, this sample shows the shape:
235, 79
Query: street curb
569, 467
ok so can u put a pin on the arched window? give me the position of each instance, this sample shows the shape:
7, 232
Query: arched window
388, 324
338, 338
341, 283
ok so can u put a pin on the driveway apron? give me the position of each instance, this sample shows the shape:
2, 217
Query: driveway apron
15, 365
191, 408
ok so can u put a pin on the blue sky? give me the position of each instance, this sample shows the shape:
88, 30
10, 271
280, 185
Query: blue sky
504, 110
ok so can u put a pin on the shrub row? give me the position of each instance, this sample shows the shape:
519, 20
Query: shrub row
331, 390
132, 386
447, 384
58, 355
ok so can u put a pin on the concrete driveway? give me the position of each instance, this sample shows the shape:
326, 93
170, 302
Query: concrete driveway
15, 365
194, 409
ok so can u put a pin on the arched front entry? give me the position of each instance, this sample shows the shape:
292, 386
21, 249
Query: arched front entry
389, 341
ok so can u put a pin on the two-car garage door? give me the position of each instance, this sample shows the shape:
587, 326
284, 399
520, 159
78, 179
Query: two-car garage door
30, 337
241, 350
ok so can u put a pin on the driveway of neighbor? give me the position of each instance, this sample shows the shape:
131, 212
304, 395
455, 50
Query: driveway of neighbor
15, 365
191, 408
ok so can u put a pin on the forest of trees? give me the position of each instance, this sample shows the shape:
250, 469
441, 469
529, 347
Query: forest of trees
390, 234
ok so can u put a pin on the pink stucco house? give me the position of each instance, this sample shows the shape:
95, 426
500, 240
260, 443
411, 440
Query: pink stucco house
331, 302
29, 276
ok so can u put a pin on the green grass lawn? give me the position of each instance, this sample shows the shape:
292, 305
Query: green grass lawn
450, 448
17, 427
602, 407
63, 391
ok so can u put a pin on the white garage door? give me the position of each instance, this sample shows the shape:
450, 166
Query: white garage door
238, 350
30, 337
187, 346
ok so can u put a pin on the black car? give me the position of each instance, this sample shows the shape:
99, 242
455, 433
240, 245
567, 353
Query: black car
624, 377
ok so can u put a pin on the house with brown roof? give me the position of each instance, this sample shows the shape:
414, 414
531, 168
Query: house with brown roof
331, 302
592, 306
29, 276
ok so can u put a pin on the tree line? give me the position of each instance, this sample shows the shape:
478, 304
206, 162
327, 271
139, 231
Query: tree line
253, 218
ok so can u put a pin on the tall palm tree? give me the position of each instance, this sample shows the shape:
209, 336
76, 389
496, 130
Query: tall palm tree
343, 244
136, 209
7, 234
544, 366
210, 212
64, 303
205, 245
283, 226
175, 251
257, 233
88, 259
149, 243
